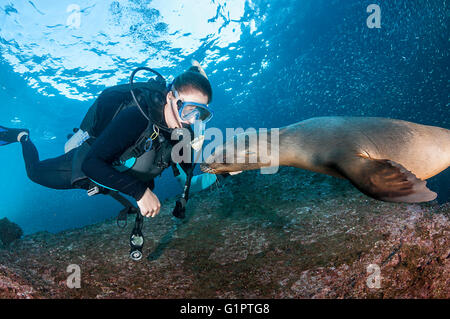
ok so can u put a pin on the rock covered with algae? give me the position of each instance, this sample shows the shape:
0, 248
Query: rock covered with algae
9, 232
295, 234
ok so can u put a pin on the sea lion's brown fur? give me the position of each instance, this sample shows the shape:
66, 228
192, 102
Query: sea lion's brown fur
384, 158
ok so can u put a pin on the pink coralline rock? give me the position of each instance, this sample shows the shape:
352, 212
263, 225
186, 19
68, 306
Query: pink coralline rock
295, 234
9, 232
13, 286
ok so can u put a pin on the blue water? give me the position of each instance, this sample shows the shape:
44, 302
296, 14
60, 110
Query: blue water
271, 63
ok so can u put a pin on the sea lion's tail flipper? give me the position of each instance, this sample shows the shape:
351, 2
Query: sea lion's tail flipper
385, 180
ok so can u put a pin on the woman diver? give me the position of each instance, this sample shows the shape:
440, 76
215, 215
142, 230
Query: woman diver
124, 141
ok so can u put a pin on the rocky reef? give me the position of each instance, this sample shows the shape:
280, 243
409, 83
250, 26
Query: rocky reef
9, 232
295, 234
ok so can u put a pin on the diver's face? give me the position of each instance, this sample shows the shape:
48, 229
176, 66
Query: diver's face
171, 115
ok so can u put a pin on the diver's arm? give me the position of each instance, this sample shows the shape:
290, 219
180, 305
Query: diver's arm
198, 182
118, 136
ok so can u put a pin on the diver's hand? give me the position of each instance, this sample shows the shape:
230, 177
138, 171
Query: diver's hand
149, 204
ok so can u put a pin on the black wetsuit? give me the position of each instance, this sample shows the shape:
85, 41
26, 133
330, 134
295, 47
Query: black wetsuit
115, 133
115, 139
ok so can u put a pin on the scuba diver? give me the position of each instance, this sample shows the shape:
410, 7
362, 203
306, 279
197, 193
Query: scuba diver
125, 141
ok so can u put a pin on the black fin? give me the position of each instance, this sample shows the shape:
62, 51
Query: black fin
9, 135
385, 180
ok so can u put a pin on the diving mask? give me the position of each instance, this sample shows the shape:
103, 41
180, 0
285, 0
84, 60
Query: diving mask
192, 111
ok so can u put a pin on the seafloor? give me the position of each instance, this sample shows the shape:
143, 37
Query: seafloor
295, 234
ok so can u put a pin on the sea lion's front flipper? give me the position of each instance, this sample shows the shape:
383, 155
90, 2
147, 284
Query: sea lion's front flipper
385, 180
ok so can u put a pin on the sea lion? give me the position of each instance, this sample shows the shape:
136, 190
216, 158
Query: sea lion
386, 159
